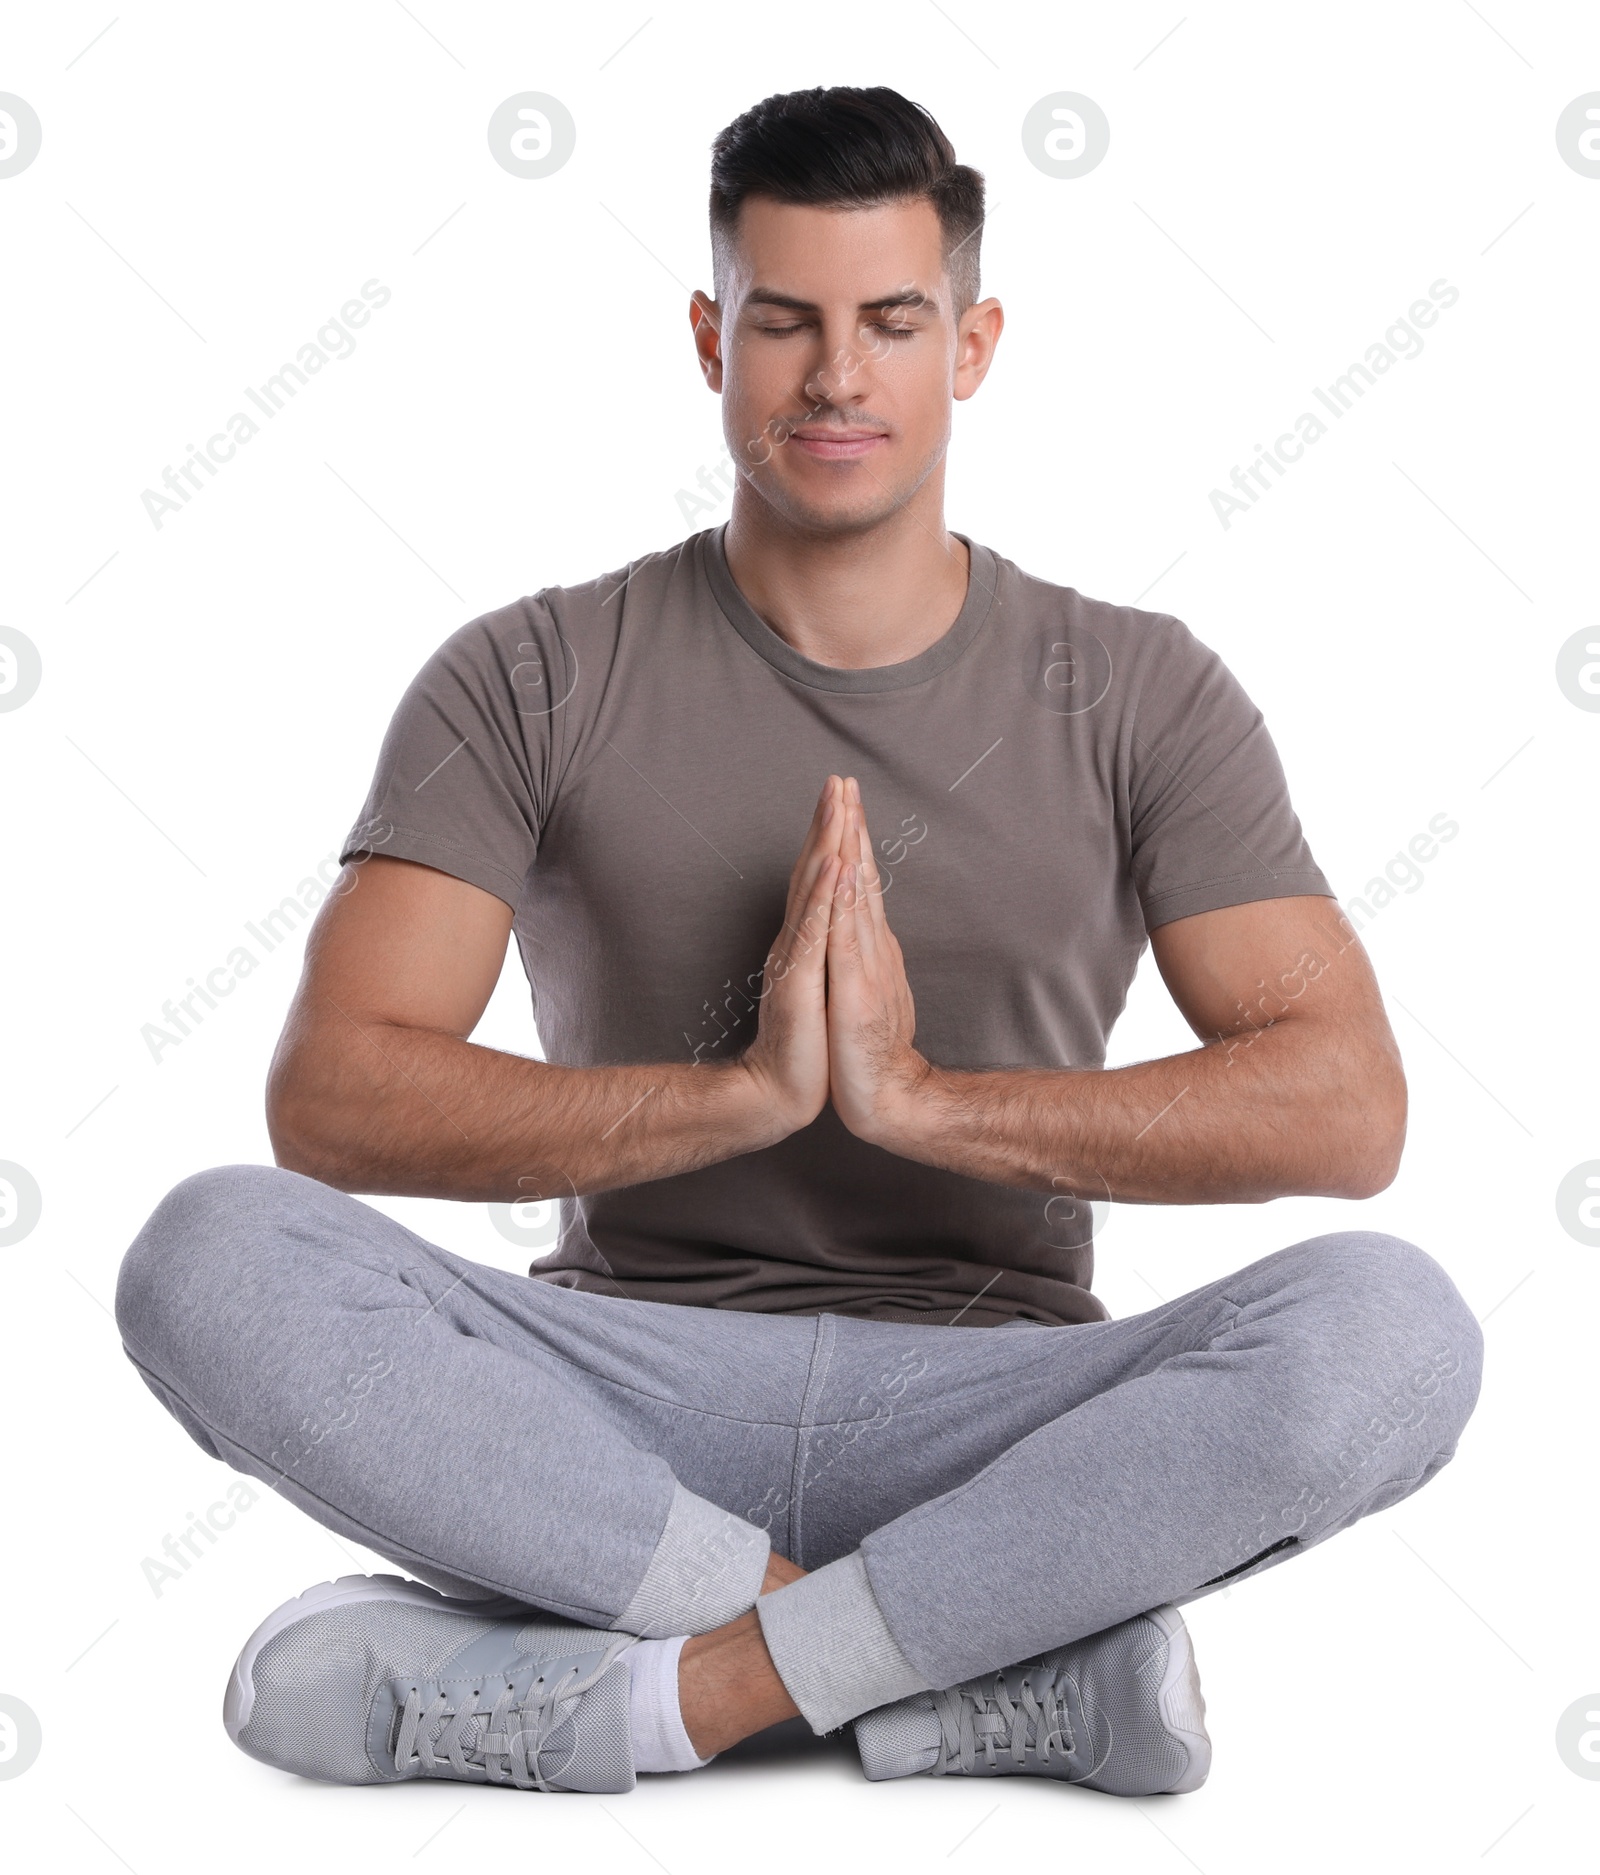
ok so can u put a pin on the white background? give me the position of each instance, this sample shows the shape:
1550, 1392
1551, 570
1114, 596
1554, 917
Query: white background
1282, 183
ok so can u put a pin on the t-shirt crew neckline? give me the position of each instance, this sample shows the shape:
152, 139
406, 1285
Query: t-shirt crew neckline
766, 643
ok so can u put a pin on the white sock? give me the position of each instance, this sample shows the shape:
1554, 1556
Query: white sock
655, 1723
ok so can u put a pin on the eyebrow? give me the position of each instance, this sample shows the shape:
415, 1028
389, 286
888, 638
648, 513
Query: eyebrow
912, 296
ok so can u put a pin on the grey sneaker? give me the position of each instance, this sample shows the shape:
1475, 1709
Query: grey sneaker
373, 1680
1119, 1711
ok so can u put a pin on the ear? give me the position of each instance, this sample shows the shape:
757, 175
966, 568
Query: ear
977, 334
706, 318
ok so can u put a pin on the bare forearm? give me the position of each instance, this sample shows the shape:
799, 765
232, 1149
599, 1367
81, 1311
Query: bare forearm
415, 1112
1286, 1109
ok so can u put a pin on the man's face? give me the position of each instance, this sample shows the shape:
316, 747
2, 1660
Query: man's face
837, 352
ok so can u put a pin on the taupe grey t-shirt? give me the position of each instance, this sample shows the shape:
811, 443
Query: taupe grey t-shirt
632, 764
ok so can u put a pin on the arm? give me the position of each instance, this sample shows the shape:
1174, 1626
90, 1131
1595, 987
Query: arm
1298, 1086
375, 1087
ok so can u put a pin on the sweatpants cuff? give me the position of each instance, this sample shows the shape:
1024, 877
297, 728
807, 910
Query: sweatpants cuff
708, 1567
831, 1647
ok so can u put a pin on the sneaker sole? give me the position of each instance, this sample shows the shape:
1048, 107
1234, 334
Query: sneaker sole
239, 1700
1183, 1707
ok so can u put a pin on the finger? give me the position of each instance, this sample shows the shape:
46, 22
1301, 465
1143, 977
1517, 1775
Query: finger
867, 896
808, 947
801, 950
874, 880
857, 840
858, 944
844, 950
827, 803
820, 814
829, 820
822, 837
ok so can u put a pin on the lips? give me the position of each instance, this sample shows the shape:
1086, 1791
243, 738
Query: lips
832, 444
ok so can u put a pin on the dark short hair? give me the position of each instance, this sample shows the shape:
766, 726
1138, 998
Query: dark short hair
844, 146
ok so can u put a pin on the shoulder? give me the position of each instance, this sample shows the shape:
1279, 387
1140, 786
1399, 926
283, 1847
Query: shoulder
538, 648
1094, 648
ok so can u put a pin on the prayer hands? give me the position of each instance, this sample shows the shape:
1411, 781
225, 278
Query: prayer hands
837, 1017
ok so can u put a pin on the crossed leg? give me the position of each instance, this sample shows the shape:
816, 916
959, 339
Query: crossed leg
962, 1498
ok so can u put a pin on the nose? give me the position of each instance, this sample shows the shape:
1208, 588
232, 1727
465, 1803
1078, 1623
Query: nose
838, 377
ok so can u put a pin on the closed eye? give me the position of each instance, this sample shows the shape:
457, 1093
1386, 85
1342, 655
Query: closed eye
894, 331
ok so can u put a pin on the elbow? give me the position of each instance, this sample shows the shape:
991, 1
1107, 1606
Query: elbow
299, 1142
1368, 1174
1375, 1137
293, 1146
294, 1156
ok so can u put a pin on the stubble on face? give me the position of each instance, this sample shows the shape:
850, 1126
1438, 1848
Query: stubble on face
838, 345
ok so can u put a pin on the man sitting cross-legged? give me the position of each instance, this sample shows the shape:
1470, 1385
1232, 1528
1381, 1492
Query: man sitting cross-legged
812, 1409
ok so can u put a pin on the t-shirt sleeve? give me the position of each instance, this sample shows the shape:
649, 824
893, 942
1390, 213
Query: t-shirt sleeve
1209, 813
470, 760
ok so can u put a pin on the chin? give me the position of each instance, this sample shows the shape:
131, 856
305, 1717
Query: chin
845, 514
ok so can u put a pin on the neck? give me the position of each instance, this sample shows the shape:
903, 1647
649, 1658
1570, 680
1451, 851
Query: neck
853, 600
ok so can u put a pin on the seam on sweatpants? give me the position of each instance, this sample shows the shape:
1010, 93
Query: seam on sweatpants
1232, 1322
663, 1399
589, 1617
816, 1379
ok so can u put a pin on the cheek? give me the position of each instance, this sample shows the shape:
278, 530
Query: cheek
919, 379
918, 404
759, 383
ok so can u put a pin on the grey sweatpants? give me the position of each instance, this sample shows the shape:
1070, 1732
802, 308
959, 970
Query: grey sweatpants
965, 1497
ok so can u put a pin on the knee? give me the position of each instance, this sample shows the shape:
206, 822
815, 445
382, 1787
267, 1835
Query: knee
185, 1262
1396, 1317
